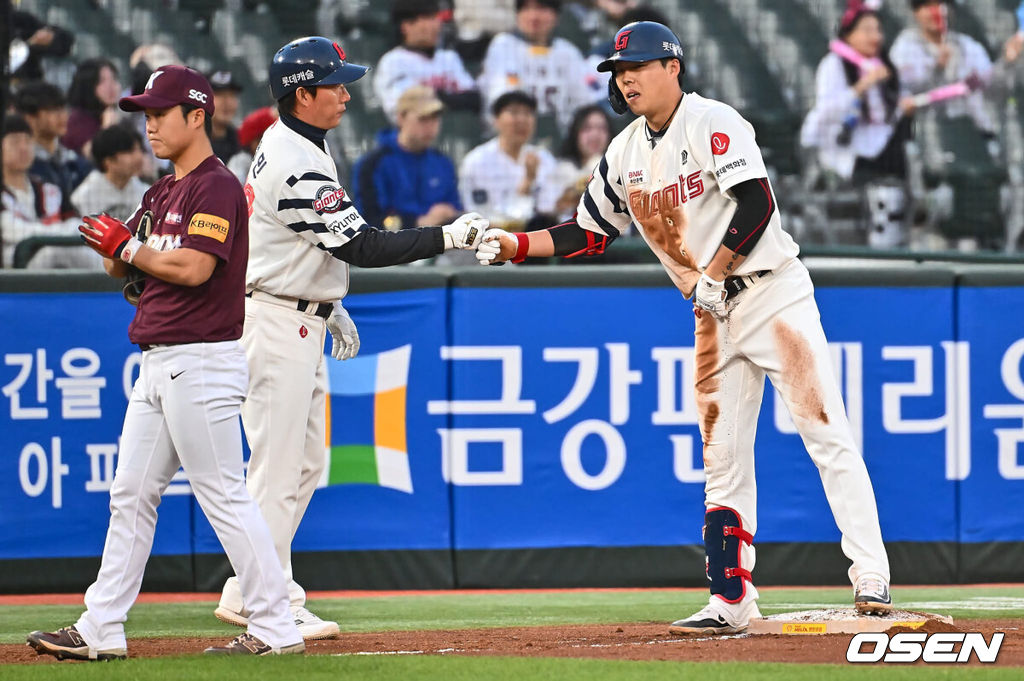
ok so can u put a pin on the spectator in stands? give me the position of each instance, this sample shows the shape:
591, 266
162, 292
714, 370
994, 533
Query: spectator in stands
507, 179
225, 102
589, 135
477, 21
857, 126
404, 182
114, 186
249, 135
44, 107
31, 40
929, 55
32, 207
92, 96
551, 70
417, 60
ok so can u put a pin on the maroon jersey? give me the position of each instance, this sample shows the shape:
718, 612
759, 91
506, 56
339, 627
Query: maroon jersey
206, 211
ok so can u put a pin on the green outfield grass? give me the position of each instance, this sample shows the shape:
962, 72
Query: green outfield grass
465, 611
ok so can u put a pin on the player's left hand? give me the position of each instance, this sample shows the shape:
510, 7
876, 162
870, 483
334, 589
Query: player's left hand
344, 333
465, 232
109, 237
710, 295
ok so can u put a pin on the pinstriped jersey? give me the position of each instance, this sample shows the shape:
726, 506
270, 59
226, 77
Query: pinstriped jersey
298, 210
677, 191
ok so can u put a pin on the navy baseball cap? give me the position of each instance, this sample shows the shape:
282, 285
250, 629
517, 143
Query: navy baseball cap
169, 86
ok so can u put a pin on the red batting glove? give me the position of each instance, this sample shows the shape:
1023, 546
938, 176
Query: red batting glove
109, 237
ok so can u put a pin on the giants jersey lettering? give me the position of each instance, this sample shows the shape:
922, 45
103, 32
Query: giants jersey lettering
677, 193
298, 211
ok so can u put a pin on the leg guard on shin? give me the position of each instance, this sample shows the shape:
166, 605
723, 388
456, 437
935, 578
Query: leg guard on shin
723, 539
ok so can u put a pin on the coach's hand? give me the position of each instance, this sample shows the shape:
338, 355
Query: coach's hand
465, 232
109, 237
710, 295
343, 332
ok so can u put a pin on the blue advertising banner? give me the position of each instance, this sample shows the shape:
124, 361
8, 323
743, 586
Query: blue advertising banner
382, 488
507, 418
66, 373
992, 494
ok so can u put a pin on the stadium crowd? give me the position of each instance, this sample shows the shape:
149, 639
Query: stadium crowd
879, 102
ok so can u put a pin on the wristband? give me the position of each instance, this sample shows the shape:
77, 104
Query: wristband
130, 249
523, 247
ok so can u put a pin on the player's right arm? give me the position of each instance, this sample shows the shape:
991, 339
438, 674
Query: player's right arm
600, 217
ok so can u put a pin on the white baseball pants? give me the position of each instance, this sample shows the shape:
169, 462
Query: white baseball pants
774, 328
184, 411
285, 423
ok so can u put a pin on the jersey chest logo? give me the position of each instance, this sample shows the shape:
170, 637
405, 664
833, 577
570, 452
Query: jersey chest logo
636, 177
644, 205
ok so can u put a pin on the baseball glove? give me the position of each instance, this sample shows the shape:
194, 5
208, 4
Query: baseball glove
135, 281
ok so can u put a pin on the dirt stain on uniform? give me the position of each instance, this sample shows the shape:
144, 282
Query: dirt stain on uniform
706, 381
665, 227
799, 372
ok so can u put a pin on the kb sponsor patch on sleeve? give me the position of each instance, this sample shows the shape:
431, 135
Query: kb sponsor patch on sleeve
204, 224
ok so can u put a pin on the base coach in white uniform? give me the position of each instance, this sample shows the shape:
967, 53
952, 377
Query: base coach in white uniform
184, 407
304, 230
688, 173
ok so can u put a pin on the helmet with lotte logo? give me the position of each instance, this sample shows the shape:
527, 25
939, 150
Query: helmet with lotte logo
640, 41
310, 61
643, 41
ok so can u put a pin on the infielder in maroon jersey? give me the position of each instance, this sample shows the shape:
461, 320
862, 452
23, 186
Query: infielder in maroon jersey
184, 407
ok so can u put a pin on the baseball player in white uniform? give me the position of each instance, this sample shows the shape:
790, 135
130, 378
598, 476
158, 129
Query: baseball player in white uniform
304, 231
689, 175
183, 410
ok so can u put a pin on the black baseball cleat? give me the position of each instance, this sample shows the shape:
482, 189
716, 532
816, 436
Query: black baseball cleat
710, 621
67, 644
871, 596
247, 644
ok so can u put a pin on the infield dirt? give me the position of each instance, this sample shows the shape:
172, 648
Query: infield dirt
647, 641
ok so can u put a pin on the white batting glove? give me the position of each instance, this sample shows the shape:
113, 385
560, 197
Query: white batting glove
490, 247
710, 295
465, 231
343, 333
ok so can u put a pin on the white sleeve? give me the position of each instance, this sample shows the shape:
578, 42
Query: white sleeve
391, 81
494, 77
834, 97
318, 209
976, 59
603, 206
729, 148
457, 71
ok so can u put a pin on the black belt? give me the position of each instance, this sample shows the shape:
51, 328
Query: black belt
734, 285
322, 310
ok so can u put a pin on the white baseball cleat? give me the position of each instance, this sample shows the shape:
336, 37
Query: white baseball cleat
312, 627
871, 596
717, 618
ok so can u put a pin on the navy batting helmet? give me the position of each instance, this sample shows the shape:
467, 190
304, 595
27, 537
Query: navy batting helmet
310, 61
640, 41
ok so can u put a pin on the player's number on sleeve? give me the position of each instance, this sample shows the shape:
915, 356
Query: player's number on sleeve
259, 165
